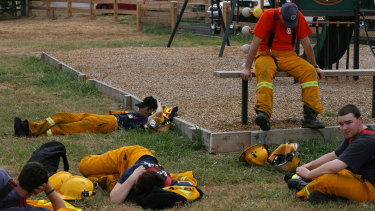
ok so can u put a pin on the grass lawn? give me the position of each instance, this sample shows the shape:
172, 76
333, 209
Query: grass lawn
33, 90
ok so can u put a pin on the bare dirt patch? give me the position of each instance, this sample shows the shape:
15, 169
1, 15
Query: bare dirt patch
183, 76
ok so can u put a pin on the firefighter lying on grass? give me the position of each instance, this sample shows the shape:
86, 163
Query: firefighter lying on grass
132, 173
72, 123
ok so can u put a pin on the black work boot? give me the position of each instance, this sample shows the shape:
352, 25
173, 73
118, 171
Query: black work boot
21, 128
296, 184
317, 197
310, 119
293, 175
262, 120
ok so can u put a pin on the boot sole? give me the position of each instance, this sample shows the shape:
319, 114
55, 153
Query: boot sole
307, 125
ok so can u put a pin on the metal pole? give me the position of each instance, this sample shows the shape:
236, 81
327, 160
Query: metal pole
225, 39
356, 38
373, 97
178, 23
245, 85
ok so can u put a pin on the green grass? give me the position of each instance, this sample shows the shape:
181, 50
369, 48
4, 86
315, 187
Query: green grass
33, 90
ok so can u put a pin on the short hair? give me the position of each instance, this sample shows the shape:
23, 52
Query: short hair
350, 108
147, 181
32, 175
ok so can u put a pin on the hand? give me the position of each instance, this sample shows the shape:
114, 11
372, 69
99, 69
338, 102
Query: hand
159, 109
246, 74
302, 172
307, 165
138, 172
320, 73
46, 187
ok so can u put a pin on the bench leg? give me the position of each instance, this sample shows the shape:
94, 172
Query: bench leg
373, 97
245, 85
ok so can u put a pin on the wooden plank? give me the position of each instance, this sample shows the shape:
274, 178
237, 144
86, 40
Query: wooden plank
229, 141
157, 14
342, 72
156, 6
223, 142
80, 10
127, 1
194, 15
155, 20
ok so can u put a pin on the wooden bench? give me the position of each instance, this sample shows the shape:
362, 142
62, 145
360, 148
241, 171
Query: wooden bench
327, 73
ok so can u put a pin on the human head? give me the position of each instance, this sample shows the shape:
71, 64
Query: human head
147, 106
350, 121
289, 13
32, 175
147, 181
350, 108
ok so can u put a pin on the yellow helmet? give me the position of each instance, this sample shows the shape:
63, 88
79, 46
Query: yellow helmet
285, 157
255, 154
58, 179
258, 12
77, 187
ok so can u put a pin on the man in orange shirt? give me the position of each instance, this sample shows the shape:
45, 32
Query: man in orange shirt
276, 53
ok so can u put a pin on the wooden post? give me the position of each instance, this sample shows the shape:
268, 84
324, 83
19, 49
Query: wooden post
48, 8
226, 6
29, 7
116, 10
139, 18
207, 4
173, 14
69, 8
92, 15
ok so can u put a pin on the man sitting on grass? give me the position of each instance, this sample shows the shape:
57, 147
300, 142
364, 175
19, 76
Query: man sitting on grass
32, 180
346, 173
72, 123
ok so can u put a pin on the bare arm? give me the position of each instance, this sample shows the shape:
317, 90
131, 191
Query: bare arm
320, 161
52, 196
158, 112
121, 191
310, 55
246, 74
330, 167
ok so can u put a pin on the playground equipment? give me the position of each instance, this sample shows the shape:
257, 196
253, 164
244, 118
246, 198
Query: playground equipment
13, 7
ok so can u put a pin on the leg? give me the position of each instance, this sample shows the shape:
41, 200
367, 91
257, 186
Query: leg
338, 185
265, 70
308, 80
307, 77
107, 168
39, 128
70, 123
91, 123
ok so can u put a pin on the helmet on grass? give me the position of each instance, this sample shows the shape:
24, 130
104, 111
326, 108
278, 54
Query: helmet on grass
255, 154
58, 179
77, 187
285, 157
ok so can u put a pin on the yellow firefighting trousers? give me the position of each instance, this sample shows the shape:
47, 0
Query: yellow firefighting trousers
71, 123
288, 61
107, 168
344, 184
46, 204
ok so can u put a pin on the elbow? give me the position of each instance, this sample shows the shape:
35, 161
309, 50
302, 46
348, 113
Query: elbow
114, 199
